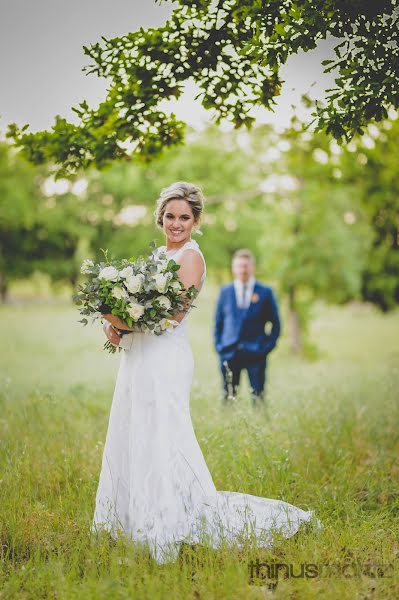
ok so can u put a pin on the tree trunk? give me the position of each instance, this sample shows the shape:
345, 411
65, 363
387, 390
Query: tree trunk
73, 279
3, 288
294, 323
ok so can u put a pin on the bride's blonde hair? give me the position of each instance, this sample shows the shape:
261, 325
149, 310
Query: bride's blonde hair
180, 190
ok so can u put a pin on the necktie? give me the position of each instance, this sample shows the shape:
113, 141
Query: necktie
244, 296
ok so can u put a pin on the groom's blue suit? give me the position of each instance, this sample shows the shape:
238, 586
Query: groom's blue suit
240, 337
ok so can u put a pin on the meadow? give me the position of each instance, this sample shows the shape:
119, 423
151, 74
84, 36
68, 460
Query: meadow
328, 441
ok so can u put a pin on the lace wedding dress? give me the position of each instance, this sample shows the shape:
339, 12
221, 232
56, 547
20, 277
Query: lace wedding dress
154, 484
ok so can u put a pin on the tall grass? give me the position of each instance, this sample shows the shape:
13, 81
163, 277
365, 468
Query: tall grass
328, 441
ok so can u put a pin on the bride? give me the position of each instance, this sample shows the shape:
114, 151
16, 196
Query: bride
154, 485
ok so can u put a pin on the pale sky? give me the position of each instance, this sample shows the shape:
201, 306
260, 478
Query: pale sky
41, 60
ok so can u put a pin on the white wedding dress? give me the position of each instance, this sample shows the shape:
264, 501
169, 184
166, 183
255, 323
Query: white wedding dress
154, 484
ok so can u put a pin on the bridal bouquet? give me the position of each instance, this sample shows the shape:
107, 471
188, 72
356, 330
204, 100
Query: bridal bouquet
145, 293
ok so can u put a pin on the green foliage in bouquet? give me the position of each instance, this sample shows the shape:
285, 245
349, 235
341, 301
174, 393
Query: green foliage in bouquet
145, 292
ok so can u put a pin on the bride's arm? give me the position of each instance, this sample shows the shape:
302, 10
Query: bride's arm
117, 322
113, 336
190, 273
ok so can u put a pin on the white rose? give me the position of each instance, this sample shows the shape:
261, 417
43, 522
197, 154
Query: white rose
126, 272
134, 283
135, 311
161, 282
109, 273
119, 293
164, 302
86, 265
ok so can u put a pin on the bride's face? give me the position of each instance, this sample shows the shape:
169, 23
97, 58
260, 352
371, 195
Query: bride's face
178, 221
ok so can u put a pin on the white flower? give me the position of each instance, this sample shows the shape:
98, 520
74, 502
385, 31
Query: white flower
119, 293
109, 273
135, 311
161, 281
175, 285
162, 265
86, 265
164, 302
134, 283
126, 272
167, 324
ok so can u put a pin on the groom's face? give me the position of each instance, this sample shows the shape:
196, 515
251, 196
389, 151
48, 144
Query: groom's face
242, 268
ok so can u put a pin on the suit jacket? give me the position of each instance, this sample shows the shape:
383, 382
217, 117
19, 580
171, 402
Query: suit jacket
237, 328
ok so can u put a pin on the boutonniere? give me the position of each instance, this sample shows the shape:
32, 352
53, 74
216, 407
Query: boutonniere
255, 298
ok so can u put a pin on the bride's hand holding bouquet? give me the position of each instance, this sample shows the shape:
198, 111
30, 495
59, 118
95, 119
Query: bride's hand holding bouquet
143, 294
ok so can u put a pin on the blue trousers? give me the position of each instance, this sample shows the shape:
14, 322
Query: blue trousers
255, 367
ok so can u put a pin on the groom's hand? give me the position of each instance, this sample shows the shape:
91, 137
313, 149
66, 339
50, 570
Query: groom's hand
111, 333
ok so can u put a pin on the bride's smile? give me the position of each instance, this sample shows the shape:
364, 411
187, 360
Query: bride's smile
178, 223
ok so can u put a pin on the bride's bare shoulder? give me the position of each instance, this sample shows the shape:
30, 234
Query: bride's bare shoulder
191, 262
192, 257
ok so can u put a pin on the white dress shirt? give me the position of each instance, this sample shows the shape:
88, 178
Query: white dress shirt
243, 301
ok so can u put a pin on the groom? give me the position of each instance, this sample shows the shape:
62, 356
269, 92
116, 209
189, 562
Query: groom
243, 309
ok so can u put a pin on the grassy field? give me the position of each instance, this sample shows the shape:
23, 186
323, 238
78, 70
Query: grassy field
329, 443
